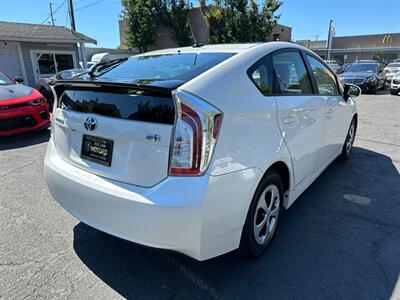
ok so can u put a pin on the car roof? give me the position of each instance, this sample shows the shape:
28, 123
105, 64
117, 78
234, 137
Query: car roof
230, 48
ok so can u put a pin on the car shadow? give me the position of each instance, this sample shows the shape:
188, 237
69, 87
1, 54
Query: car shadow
340, 239
24, 139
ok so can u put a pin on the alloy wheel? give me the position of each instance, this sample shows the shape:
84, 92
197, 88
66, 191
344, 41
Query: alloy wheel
350, 138
267, 214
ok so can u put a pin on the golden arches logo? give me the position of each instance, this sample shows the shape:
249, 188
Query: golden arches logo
387, 39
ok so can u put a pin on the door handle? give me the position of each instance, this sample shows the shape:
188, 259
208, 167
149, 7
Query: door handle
289, 119
329, 113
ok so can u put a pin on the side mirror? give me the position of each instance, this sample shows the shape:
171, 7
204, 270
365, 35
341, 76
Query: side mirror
19, 79
351, 90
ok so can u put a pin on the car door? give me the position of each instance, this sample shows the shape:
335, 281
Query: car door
336, 115
300, 113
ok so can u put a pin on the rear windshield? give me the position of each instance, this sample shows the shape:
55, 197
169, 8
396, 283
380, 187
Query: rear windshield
175, 66
121, 103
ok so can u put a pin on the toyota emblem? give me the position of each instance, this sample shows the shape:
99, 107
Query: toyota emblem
90, 123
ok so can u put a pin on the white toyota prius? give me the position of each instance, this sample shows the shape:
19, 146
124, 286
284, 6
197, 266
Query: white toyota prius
197, 149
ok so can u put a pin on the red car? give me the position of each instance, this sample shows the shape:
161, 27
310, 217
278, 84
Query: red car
22, 108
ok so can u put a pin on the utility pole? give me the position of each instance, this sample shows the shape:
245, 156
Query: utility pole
71, 14
329, 40
51, 13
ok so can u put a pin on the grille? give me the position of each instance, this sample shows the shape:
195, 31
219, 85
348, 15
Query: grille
4, 107
354, 80
17, 122
396, 81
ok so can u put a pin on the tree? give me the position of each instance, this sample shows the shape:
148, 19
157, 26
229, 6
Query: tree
176, 19
233, 21
143, 21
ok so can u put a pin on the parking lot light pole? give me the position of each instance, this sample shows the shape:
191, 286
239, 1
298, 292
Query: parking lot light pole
328, 44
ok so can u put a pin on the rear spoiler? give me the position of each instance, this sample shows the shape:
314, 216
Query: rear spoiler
59, 86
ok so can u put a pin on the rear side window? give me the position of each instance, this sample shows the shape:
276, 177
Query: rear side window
261, 76
325, 80
291, 77
121, 103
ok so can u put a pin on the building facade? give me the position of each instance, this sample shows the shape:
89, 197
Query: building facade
32, 51
346, 49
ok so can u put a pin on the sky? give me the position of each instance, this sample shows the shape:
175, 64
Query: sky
309, 19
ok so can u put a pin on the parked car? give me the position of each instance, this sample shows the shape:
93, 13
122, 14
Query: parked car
44, 87
390, 70
197, 149
395, 84
395, 60
333, 64
105, 56
22, 108
368, 76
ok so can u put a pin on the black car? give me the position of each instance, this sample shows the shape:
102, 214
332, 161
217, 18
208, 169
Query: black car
368, 76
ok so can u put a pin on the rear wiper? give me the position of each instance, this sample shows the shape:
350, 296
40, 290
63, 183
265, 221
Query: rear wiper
103, 65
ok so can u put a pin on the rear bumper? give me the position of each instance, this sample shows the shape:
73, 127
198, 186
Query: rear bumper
29, 118
196, 216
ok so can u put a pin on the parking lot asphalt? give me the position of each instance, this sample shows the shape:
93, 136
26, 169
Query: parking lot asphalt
340, 239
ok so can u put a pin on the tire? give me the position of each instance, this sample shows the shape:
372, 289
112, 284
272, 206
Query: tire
263, 217
348, 143
394, 92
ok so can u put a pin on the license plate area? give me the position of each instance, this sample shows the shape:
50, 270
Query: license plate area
97, 149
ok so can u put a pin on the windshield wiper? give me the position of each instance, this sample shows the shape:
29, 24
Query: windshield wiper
103, 65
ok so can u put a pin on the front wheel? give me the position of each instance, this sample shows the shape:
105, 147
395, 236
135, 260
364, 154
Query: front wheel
348, 144
263, 216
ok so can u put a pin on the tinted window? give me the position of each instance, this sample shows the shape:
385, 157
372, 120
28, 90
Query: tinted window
121, 103
326, 82
290, 74
177, 66
261, 77
4, 80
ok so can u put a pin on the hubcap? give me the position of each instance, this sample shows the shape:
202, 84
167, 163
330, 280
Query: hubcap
266, 215
350, 139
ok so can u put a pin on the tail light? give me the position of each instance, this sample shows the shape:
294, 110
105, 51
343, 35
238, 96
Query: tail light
196, 132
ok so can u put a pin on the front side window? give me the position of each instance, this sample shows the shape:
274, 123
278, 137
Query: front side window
291, 77
325, 80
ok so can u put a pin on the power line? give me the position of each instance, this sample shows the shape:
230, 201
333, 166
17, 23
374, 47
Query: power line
58, 7
90, 4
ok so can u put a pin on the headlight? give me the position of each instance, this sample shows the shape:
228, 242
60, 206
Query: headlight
37, 102
371, 79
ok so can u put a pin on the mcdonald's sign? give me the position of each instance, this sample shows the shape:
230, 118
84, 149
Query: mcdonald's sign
387, 39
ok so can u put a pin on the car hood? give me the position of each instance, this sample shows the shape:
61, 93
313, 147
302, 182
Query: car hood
357, 74
14, 91
17, 93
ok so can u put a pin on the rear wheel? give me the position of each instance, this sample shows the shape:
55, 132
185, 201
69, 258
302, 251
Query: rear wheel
263, 216
348, 144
